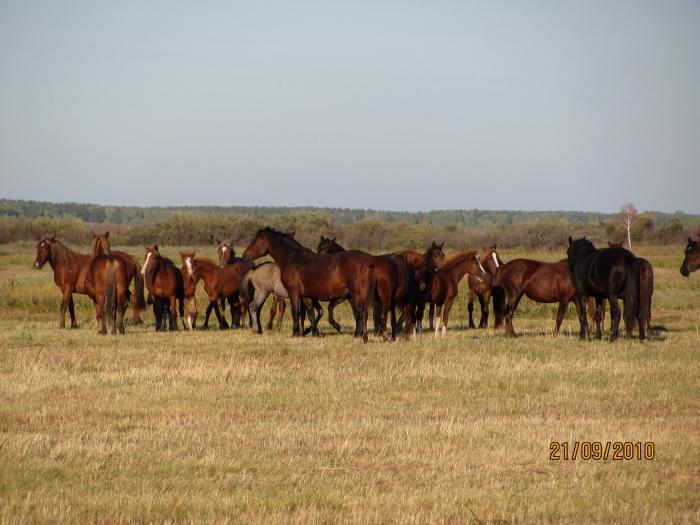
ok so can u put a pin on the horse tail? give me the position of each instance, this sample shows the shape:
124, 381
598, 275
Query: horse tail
646, 290
111, 293
633, 302
139, 286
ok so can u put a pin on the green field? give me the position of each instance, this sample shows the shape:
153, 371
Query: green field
237, 427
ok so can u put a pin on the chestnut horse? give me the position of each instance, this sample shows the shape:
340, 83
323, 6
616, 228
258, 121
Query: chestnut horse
323, 277
443, 289
691, 262
100, 244
610, 273
69, 271
542, 282
164, 283
190, 289
483, 289
107, 283
220, 283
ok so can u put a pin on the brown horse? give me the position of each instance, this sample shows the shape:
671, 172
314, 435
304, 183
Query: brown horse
483, 289
99, 244
443, 289
69, 271
646, 282
108, 285
691, 262
323, 277
220, 283
164, 283
190, 289
541, 282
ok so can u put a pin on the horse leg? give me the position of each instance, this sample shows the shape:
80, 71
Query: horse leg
484, 302
296, 307
581, 303
172, 311
210, 307
431, 315
561, 312
67, 296
122, 305
100, 309
317, 314
511, 306
615, 314
470, 307
273, 313
446, 315
331, 319
282, 307
438, 318
71, 310
598, 317
223, 325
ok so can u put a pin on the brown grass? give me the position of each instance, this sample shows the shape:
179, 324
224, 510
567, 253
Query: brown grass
235, 427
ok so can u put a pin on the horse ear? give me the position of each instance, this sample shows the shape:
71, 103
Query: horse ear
333, 239
571, 241
690, 241
155, 247
38, 237
442, 245
218, 241
107, 234
52, 238
322, 238
92, 232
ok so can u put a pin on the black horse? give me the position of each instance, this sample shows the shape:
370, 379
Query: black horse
610, 273
692, 258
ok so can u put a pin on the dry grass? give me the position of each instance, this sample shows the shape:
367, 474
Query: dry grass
235, 427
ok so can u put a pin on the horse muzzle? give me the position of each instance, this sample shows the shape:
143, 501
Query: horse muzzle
38, 265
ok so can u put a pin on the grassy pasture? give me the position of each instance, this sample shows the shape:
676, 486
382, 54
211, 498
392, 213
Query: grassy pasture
235, 427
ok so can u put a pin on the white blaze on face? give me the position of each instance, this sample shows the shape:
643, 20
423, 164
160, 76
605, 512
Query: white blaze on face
145, 263
188, 263
495, 259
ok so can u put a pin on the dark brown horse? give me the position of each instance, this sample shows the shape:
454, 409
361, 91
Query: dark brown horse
646, 281
542, 282
99, 244
610, 273
190, 289
483, 289
221, 282
323, 277
108, 285
69, 271
691, 262
443, 289
164, 283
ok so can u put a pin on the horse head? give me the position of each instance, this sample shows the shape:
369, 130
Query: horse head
434, 256
226, 252
99, 244
327, 245
578, 248
490, 259
691, 262
152, 259
43, 250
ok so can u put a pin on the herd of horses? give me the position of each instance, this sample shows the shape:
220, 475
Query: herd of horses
396, 286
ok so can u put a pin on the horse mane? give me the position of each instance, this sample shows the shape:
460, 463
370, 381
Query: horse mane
286, 238
60, 253
206, 262
456, 258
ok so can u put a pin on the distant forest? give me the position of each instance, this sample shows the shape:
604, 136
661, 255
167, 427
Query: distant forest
359, 228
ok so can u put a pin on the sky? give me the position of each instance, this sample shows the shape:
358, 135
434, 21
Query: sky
399, 105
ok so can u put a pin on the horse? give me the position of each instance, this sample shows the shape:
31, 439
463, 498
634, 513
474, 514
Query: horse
608, 273
100, 244
326, 246
323, 277
256, 286
445, 283
69, 271
107, 283
190, 290
220, 283
166, 287
646, 279
406, 288
542, 282
691, 262
483, 289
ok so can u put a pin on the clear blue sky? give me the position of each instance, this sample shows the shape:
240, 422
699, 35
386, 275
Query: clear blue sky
393, 105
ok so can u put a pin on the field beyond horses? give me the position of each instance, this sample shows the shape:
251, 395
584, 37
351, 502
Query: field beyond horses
232, 426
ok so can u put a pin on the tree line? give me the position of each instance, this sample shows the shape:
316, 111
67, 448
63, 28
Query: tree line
365, 229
